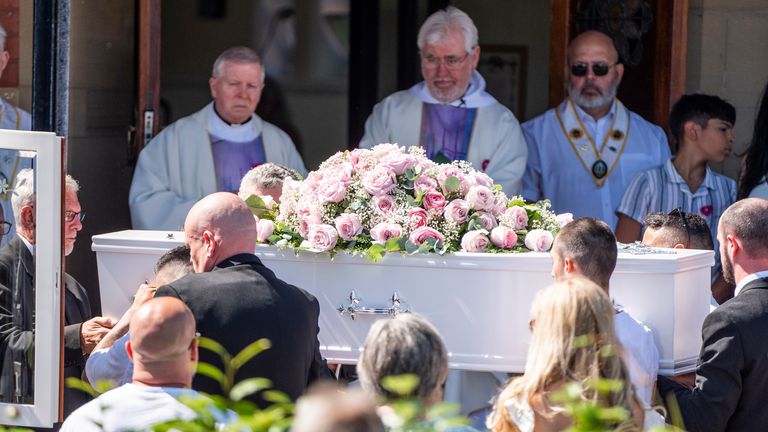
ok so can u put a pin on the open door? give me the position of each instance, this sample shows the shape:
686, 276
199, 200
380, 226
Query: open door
148, 75
654, 33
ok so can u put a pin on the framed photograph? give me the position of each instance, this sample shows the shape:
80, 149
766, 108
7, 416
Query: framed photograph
504, 67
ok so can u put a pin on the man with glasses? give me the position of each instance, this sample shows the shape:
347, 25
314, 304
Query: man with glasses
17, 294
164, 350
210, 150
583, 153
450, 114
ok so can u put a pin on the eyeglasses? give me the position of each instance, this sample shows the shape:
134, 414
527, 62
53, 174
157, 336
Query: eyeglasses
69, 215
6, 227
679, 212
599, 69
450, 62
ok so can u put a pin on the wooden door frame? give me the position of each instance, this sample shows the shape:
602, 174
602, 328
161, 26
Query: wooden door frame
148, 73
671, 30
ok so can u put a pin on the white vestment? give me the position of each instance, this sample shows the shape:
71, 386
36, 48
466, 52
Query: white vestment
555, 172
640, 355
497, 145
176, 169
12, 118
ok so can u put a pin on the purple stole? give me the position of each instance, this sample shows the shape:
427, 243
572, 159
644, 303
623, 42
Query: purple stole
233, 159
446, 131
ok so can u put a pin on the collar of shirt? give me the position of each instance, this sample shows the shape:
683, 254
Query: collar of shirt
597, 128
27, 244
675, 177
234, 133
753, 277
474, 97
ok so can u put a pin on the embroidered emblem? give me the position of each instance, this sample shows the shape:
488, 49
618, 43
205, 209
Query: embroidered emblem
617, 135
4, 186
706, 210
576, 133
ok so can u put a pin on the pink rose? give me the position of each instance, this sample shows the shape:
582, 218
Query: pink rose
348, 225
500, 204
457, 211
384, 231
379, 181
504, 237
433, 200
264, 229
539, 240
384, 203
360, 159
381, 150
483, 179
487, 220
424, 183
421, 234
417, 217
480, 198
564, 219
517, 217
397, 162
475, 241
331, 190
322, 237
447, 171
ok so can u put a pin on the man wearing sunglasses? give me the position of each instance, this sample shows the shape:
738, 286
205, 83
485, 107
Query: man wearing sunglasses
450, 114
583, 153
82, 331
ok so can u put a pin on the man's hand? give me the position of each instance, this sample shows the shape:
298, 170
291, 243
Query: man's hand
93, 330
143, 295
686, 380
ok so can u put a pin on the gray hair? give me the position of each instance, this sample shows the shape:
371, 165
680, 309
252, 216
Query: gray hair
437, 26
240, 55
327, 409
3, 36
268, 175
746, 220
406, 344
24, 190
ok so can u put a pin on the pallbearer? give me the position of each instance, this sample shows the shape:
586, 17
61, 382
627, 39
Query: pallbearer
449, 113
583, 153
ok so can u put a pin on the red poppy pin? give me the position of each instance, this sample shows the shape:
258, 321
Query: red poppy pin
706, 210
485, 163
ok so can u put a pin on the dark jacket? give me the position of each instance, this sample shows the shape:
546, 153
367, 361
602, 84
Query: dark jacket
240, 301
17, 305
732, 375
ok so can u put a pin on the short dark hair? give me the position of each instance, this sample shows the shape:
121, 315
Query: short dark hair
590, 243
747, 220
177, 256
684, 228
699, 108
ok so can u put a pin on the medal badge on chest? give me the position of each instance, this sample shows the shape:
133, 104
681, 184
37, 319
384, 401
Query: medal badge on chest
599, 162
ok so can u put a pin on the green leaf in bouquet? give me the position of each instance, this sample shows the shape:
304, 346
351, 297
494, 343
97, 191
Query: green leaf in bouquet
252, 350
375, 252
497, 187
259, 208
410, 174
413, 202
516, 202
411, 247
441, 158
452, 184
248, 387
395, 244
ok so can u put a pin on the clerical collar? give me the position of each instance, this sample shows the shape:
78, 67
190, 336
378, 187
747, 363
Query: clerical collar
217, 127
228, 123
474, 97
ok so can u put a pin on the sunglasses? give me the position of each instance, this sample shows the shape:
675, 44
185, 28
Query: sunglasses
599, 69
679, 212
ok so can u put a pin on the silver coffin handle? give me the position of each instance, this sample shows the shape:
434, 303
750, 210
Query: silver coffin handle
353, 307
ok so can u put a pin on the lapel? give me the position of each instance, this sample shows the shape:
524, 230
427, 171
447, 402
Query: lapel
26, 262
755, 284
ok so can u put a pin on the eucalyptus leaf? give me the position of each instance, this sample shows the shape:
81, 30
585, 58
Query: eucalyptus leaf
452, 184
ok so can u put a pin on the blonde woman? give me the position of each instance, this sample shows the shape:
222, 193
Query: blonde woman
573, 340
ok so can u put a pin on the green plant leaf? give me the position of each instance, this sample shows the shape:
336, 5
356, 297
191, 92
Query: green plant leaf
395, 244
213, 372
257, 206
78, 384
452, 184
276, 396
247, 353
401, 385
212, 345
248, 387
374, 253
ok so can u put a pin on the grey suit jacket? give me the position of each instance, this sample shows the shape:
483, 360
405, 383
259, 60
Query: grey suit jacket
731, 390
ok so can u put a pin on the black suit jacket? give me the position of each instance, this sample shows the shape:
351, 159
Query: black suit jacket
17, 304
240, 301
731, 391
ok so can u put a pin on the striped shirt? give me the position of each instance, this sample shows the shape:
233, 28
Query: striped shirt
663, 189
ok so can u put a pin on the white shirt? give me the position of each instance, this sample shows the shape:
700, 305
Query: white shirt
135, 408
640, 355
754, 276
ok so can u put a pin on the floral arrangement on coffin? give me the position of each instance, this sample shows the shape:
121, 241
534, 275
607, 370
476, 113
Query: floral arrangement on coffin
388, 199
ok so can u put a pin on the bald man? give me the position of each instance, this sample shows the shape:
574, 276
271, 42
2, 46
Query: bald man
163, 348
237, 300
583, 153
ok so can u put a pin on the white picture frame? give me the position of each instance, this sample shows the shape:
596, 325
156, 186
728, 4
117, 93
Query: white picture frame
44, 412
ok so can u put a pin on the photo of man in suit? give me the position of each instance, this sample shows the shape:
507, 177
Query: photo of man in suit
236, 300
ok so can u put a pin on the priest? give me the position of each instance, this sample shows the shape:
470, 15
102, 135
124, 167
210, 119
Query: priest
210, 150
583, 153
450, 114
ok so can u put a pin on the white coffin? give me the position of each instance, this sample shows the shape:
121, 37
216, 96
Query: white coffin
478, 302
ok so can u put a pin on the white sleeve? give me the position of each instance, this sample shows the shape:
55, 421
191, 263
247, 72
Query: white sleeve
507, 165
110, 364
376, 126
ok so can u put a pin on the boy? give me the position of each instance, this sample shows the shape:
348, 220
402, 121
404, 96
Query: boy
702, 129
